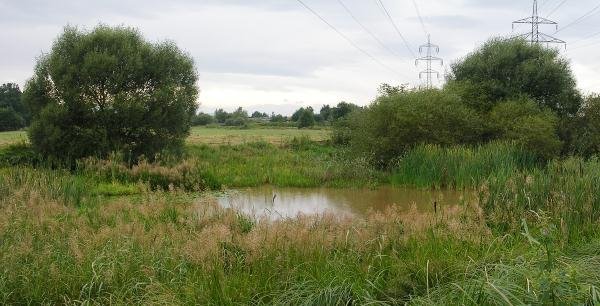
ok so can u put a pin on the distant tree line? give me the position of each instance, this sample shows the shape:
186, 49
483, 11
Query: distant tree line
304, 117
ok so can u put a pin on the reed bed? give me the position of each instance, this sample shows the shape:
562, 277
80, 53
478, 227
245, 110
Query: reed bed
460, 167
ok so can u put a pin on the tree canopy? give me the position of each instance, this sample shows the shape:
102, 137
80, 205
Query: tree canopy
510, 69
13, 114
108, 90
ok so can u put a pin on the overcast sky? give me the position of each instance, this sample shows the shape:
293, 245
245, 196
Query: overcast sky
275, 55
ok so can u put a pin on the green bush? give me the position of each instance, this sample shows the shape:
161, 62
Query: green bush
19, 155
110, 90
10, 120
524, 123
586, 128
396, 123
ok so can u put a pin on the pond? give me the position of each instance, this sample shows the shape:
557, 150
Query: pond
277, 203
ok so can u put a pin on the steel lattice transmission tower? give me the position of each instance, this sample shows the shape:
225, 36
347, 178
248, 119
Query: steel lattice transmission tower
535, 36
429, 59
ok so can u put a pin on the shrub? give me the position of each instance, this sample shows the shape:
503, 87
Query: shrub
524, 123
10, 120
19, 155
396, 123
110, 90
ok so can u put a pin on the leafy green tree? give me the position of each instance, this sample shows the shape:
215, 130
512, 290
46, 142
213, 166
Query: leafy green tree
525, 123
110, 90
203, 119
587, 128
296, 115
325, 112
509, 69
221, 115
278, 118
10, 120
258, 115
10, 97
396, 123
390, 90
343, 109
306, 118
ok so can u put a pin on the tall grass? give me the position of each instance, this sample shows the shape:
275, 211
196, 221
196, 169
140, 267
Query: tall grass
168, 248
460, 166
300, 163
568, 191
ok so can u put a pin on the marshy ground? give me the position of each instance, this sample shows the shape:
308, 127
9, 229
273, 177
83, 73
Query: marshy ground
155, 234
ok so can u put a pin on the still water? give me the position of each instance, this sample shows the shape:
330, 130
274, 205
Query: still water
277, 203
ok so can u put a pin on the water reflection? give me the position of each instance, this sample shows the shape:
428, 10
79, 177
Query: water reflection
275, 203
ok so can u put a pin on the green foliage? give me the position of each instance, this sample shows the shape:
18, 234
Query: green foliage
460, 167
341, 111
508, 69
394, 124
300, 163
587, 128
278, 118
524, 123
10, 120
306, 118
10, 98
109, 90
19, 155
203, 119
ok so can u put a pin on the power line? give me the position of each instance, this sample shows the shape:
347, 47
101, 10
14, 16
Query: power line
391, 20
556, 8
580, 19
429, 59
420, 17
367, 30
347, 39
586, 37
535, 36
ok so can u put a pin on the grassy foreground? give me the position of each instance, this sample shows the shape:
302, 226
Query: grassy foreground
106, 233
63, 244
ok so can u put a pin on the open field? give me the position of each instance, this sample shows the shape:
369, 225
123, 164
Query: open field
219, 136
7, 138
229, 136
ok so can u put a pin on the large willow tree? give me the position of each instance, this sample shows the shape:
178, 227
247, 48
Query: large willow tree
110, 90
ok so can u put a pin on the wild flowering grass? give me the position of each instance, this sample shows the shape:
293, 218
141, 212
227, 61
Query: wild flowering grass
568, 191
531, 238
169, 248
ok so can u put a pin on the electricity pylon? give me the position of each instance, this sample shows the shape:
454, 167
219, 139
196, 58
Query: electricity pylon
429, 59
535, 36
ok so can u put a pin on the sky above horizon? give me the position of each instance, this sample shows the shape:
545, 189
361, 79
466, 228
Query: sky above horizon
275, 55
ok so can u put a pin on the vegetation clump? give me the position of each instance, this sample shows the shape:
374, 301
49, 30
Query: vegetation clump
109, 90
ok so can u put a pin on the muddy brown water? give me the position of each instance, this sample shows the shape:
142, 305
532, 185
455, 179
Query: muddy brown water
277, 203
